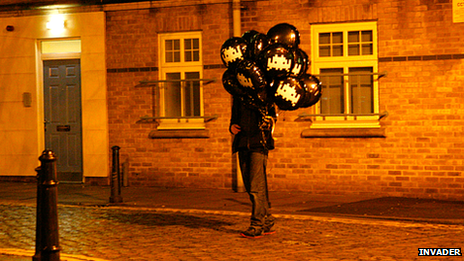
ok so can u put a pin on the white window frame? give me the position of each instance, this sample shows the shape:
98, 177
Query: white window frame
182, 122
346, 61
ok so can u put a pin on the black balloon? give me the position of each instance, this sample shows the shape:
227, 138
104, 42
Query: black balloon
250, 77
301, 63
313, 90
248, 35
233, 51
255, 59
288, 93
277, 61
231, 84
257, 45
285, 34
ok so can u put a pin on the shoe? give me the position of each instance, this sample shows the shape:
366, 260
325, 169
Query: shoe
252, 232
268, 224
269, 232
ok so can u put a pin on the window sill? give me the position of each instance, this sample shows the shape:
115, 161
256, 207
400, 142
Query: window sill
188, 124
344, 125
344, 133
351, 124
171, 134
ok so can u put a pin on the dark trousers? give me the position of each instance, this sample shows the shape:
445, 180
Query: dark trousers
253, 167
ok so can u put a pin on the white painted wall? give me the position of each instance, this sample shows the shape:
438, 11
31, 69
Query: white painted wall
21, 128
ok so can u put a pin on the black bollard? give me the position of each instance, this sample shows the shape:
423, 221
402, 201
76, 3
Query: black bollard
115, 178
47, 246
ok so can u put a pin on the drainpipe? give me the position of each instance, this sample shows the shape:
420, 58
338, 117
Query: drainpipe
236, 18
237, 24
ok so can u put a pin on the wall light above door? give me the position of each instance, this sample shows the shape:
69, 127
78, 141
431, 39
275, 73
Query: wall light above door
56, 23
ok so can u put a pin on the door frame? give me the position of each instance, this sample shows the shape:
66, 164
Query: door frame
40, 92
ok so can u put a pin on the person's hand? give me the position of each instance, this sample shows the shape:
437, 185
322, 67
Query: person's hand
235, 128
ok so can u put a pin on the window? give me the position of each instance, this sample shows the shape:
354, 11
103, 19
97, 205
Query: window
359, 88
331, 44
360, 43
345, 60
181, 95
59, 49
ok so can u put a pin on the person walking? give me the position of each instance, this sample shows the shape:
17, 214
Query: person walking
252, 127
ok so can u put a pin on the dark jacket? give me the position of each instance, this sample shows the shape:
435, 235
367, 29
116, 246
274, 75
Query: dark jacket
251, 136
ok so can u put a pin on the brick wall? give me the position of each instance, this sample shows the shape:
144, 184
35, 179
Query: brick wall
132, 46
419, 47
421, 154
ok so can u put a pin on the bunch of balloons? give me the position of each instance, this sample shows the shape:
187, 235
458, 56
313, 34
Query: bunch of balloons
269, 68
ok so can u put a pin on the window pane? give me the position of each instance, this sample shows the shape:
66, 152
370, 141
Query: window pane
324, 38
337, 50
172, 95
337, 37
332, 100
169, 58
324, 51
366, 36
196, 44
361, 88
367, 49
188, 56
187, 44
169, 45
353, 37
196, 55
353, 49
177, 57
192, 106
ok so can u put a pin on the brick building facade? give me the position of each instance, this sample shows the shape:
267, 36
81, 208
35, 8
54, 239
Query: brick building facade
409, 144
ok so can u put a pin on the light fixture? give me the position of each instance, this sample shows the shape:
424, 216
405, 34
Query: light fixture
56, 24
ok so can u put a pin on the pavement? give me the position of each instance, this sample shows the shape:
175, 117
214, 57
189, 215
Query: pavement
353, 209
